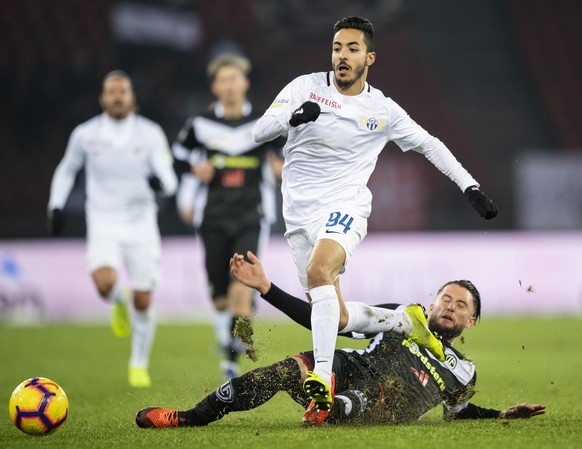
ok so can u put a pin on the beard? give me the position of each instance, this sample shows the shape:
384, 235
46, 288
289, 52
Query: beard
347, 83
119, 110
444, 332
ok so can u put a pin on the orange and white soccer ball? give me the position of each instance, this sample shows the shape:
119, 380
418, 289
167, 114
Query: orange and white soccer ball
38, 406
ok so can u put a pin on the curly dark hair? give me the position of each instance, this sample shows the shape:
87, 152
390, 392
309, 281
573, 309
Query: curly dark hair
358, 23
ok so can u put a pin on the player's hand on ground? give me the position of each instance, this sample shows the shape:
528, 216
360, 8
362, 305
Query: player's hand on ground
523, 411
204, 171
481, 202
56, 222
251, 274
307, 112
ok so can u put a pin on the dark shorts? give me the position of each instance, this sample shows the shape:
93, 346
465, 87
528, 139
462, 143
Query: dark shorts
220, 245
350, 373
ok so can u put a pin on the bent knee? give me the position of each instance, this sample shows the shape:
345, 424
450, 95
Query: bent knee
318, 275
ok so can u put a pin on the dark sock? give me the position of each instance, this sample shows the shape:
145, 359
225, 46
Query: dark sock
244, 393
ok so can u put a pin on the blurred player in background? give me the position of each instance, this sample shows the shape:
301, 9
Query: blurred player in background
227, 191
393, 380
337, 124
126, 159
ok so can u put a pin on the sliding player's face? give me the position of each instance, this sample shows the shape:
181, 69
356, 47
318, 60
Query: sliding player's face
117, 98
350, 58
453, 311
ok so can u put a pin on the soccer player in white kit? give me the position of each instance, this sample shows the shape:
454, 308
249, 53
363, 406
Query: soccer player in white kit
126, 159
337, 124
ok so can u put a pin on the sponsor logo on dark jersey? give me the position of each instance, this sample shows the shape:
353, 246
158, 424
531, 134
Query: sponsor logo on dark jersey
415, 350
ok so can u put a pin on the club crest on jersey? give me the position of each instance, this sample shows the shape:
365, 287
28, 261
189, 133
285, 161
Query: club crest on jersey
451, 361
371, 123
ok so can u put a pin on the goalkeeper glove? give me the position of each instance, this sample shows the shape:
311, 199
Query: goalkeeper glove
481, 202
307, 112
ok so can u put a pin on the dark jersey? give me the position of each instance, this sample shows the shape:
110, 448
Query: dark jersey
240, 192
401, 380
412, 380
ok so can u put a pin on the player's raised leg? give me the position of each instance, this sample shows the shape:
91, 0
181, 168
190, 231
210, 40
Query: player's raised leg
410, 321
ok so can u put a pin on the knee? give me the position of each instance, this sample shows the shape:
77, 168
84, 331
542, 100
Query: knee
104, 286
142, 300
220, 303
302, 367
318, 275
240, 298
104, 280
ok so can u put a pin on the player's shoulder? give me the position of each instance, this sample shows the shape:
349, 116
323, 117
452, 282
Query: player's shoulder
313, 79
459, 365
92, 122
87, 127
382, 102
145, 122
379, 96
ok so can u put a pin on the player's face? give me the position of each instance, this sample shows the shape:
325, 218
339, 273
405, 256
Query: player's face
453, 311
230, 86
117, 98
350, 59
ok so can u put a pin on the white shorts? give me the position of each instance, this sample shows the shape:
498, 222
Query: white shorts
135, 246
337, 224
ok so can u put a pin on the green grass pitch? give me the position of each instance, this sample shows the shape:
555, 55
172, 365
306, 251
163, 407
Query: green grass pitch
535, 360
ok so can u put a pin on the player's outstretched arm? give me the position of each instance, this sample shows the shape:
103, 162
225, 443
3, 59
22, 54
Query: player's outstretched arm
523, 411
472, 411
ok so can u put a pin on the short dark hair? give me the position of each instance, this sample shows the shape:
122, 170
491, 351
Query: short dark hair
358, 23
471, 289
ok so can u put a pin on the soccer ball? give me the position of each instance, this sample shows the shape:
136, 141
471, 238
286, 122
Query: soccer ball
38, 406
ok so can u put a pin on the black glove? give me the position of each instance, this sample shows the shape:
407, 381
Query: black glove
155, 183
307, 112
481, 203
56, 222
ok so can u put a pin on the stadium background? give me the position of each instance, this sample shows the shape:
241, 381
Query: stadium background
497, 81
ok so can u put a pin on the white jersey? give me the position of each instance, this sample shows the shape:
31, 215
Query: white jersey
118, 157
329, 161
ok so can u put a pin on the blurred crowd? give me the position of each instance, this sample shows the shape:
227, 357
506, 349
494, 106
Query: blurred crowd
491, 79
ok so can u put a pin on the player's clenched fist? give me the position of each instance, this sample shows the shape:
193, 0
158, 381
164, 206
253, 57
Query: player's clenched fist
307, 112
481, 202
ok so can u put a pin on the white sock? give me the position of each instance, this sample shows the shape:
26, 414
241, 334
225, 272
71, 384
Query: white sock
117, 294
367, 319
325, 314
143, 330
222, 322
